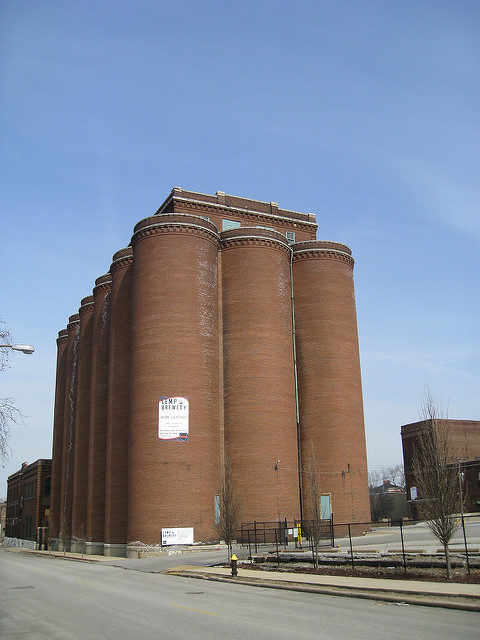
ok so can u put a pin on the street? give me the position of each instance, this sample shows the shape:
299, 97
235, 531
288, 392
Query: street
417, 535
50, 598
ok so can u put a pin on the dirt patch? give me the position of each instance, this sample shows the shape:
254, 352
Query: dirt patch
391, 573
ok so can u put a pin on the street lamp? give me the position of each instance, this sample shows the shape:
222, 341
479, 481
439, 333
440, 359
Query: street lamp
25, 348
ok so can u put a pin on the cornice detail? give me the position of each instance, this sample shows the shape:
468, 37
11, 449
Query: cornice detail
321, 254
120, 263
247, 213
88, 306
175, 228
103, 286
271, 243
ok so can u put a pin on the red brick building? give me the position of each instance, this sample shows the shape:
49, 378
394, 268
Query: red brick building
28, 500
224, 334
464, 450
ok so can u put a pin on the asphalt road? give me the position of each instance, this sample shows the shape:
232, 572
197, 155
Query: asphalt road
417, 535
50, 598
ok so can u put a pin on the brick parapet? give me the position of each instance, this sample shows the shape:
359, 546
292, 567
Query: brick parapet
121, 259
174, 223
320, 250
102, 284
62, 336
224, 204
86, 306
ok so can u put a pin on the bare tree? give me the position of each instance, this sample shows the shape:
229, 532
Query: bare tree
228, 517
395, 474
9, 414
375, 478
5, 338
434, 471
314, 505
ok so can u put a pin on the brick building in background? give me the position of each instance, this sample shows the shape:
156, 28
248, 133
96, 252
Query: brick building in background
28, 500
464, 448
223, 336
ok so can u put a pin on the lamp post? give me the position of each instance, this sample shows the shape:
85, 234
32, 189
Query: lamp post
24, 348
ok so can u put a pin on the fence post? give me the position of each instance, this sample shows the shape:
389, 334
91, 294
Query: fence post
249, 547
403, 546
351, 547
255, 534
333, 532
466, 547
276, 545
285, 534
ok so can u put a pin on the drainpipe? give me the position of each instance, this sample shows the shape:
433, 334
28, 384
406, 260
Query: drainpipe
296, 390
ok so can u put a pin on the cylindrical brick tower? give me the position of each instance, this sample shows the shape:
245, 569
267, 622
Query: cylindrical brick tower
259, 376
174, 467
68, 447
82, 424
118, 403
329, 382
97, 448
58, 418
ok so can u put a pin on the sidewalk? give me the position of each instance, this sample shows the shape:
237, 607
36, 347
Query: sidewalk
60, 554
443, 594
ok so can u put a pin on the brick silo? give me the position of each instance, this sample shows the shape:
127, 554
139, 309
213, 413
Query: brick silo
58, 418
329, 382
98, 415
118, 403
259, 376
65, 529
82, 422
174, 466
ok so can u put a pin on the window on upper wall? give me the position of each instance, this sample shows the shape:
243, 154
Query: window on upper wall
290, 236
230, 224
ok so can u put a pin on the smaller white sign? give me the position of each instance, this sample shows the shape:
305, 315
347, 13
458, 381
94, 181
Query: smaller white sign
177, 535
413, 493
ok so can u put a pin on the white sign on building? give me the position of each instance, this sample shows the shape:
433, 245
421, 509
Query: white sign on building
173, 419
177, 535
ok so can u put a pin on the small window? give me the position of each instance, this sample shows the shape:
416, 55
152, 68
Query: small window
290, 236
217, 508
230, 224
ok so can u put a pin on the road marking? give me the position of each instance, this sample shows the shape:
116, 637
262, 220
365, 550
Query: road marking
192, 609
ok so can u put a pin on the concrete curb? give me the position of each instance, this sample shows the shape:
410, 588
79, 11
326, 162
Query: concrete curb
421, 599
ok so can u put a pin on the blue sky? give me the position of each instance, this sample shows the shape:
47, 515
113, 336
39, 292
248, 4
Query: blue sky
365, 113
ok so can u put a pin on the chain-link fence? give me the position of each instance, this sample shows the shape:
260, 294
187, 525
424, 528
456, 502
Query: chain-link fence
408, 544
402, 545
